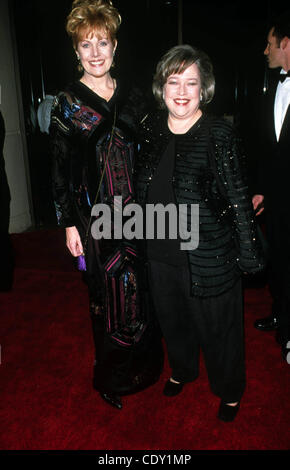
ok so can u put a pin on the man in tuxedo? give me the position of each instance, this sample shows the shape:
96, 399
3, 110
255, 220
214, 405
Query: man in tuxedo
273, 192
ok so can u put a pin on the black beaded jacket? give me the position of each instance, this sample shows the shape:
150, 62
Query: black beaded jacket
228, 243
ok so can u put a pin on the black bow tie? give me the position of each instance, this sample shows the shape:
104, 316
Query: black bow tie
283, 76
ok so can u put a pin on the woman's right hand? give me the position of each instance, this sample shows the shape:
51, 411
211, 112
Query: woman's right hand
73, 241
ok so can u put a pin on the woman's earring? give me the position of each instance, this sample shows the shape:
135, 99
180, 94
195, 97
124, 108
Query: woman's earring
113, 63
80, 67
200, 98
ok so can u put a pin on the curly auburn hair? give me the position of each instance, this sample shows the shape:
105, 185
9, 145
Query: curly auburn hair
92, 15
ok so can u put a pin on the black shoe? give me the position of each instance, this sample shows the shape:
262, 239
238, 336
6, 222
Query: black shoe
267, 324
228, 413
171, 389
112, 399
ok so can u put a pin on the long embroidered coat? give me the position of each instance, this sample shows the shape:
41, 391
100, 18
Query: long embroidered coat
128, 346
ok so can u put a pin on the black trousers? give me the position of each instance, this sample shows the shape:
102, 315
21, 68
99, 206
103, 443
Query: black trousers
278, 236
188, 324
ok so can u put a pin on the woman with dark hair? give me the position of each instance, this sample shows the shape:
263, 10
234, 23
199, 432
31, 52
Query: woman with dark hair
190, 158
93, 128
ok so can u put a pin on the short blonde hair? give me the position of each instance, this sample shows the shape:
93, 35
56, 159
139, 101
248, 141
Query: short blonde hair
178, 59
88, 16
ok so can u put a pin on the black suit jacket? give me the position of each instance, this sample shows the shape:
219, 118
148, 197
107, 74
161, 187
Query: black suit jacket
274, 160
4, 188
7, 261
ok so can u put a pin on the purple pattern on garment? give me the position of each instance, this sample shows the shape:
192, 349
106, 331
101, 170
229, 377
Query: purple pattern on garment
85, 118
126, 319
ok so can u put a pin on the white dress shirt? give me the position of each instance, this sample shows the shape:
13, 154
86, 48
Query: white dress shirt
282, 101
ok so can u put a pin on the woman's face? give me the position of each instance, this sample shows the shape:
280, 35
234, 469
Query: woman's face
96, 54
181, 93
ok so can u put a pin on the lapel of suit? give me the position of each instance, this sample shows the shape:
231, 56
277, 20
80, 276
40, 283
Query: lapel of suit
285, 127
270, 113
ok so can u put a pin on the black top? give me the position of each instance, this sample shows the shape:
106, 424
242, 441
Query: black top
165, 250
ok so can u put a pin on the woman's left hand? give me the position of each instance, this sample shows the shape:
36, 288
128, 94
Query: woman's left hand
73, 241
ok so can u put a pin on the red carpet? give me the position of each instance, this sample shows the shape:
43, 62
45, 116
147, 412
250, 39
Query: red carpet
47, 401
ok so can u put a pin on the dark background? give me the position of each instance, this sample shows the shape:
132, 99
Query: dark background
232, 33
